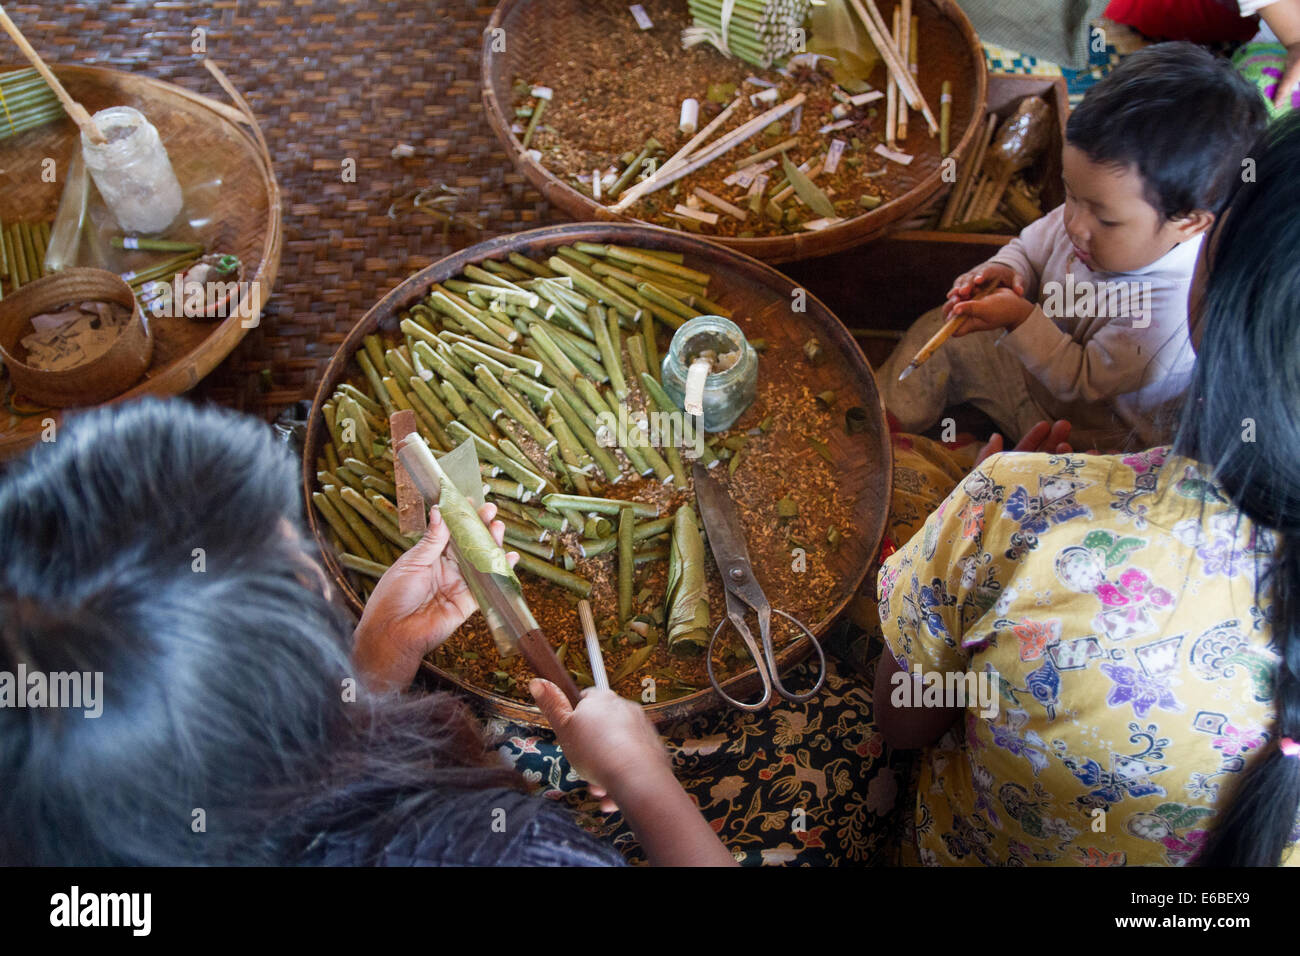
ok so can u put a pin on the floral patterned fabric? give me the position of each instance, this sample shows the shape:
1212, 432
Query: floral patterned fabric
925, 473
808, 784
1115, 603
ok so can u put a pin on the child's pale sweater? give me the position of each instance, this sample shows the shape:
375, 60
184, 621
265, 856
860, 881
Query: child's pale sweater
1108, 351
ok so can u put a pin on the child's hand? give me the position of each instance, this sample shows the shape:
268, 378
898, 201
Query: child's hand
608, 740
991, 274
997, 310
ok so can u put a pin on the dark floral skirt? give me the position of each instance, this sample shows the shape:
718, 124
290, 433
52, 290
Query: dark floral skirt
809, 784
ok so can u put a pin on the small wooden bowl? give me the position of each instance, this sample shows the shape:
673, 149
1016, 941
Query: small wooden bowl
96, 381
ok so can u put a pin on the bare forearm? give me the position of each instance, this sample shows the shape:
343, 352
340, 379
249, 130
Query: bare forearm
1283, 18
382, 664
669, 825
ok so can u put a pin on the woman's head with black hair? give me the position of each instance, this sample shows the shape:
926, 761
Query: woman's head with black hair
1153, 151
162, 546
1242, 419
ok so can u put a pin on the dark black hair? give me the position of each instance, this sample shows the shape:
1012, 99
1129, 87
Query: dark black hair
1248, 372
1183, 117
223, 671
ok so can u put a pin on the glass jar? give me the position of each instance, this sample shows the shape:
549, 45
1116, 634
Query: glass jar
727, 393
132, 171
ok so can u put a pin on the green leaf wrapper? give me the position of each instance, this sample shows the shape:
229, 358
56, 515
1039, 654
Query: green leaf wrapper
808, 191
688, 596
467, 529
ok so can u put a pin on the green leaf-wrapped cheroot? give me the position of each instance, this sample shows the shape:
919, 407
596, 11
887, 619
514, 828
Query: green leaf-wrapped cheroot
472, 537
687, 616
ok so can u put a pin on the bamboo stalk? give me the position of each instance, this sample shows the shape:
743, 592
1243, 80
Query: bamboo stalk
74, 109
606, 506
957, 200
719, 148
870, 16
903, 34
626, 563
609, 341
542, 569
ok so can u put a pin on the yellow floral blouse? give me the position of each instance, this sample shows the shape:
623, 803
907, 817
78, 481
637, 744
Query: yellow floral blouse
1112, 603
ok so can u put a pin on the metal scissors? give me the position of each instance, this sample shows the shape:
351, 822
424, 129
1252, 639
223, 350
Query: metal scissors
727, 541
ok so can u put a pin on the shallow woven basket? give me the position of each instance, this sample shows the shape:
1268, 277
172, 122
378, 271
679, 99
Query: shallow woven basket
538, 33
760, 299
96, 381
204, 138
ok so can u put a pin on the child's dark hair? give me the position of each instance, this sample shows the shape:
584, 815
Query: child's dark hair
1183, 117
1246, 375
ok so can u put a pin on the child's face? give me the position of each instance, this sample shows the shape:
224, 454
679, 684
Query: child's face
1110, 222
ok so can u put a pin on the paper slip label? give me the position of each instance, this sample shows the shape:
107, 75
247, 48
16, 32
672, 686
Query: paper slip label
862, 99
641, 17
757, 186
832, 127
833, 155
893, 155
755, 81
766, 96
542, 92
743, 177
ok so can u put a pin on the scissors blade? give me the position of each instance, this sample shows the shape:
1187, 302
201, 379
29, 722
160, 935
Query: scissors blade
726, 533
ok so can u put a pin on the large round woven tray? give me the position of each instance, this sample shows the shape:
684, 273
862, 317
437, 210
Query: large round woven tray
205, 139
760, 298
537, 34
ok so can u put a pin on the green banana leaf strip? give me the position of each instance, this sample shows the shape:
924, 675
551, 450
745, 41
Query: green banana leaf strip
467, 529
688, 596
808, 191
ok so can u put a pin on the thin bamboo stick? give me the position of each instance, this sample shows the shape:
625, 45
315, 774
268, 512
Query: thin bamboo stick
79, 114
723, 145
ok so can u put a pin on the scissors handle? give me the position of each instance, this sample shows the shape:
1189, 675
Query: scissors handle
821, 661
748, 638
765, 661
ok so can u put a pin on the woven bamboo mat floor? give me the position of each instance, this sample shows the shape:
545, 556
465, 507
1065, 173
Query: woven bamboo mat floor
328, 81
